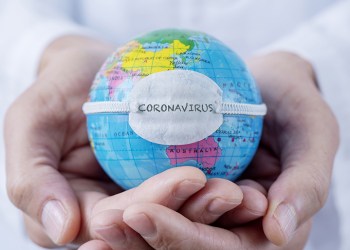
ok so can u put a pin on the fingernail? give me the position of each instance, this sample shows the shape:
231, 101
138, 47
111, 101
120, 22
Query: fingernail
287, 219
187, 188
53, 218
218, 206
112, 234
141, 224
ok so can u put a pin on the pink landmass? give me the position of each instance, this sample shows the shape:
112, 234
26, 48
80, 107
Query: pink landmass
205, 152
116, 77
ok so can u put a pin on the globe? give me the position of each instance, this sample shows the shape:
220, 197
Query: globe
128, 158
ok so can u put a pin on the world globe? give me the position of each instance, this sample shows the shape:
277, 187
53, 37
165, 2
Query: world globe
131, 150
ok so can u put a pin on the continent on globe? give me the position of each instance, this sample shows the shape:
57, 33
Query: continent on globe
163, 70
205, 152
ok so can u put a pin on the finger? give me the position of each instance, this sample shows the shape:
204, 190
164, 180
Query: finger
253, 206
34, 184
170, 188
164, 228
217, 197
95, 245
109, 227
88, 193
253, 237
302, 187
303, 134
306, 162
253, 184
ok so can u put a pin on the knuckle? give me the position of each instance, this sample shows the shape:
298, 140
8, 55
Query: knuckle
178, 244
18, 192
319, 189
166, 241
161, 241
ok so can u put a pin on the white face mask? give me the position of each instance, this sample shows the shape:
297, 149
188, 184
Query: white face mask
175, 107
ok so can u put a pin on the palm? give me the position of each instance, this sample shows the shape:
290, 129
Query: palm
62, 117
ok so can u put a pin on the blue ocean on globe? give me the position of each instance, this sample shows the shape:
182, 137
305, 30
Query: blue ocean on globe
128, 158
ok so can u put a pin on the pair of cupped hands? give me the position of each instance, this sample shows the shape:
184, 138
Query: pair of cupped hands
66, 199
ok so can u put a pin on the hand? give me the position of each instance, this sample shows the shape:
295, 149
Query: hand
164, 228
52, 175
47, 150
50, 167
294, 163
300, 138
111, 229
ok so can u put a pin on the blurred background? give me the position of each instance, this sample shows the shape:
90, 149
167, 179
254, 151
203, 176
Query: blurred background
27, 27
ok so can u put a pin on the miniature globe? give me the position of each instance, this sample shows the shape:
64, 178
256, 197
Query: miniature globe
128, 157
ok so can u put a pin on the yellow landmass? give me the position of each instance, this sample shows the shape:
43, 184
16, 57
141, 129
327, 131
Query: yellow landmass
126, 49
149, 62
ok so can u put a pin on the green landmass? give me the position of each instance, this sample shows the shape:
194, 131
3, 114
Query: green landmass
169, 35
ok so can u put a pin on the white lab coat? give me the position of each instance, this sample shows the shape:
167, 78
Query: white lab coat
317, 30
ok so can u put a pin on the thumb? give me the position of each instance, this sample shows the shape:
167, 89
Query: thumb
45, 196
300, 135
34, 185
302, 187
293, 199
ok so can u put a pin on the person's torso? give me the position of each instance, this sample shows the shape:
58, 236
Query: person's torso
245, 25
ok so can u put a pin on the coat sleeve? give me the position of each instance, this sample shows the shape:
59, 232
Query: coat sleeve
325, 42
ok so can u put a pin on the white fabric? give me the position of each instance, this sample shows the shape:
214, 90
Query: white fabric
317, 30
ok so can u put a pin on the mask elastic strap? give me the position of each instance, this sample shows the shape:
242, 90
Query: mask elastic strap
229, 108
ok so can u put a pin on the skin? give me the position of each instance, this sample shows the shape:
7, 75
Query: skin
301, 136
48, 158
